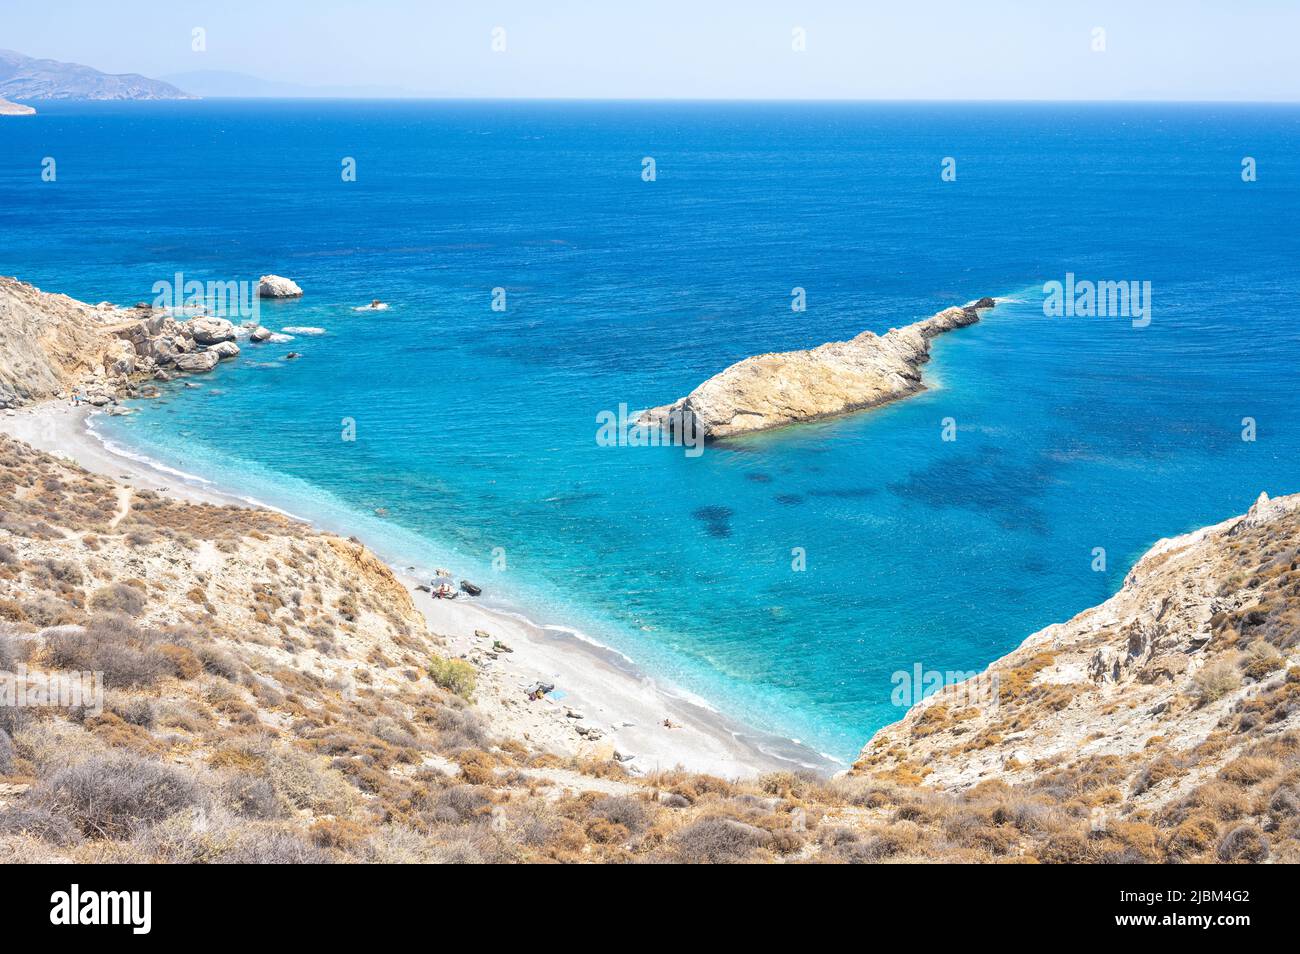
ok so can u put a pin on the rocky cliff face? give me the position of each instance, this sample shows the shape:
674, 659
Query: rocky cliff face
1186, 676
47, 342
52, 344
772, 390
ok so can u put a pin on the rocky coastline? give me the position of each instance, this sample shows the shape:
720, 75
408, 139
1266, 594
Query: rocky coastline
790, 387
56, 346
249, 652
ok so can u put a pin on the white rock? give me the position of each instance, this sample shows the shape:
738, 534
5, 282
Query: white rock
207, 330
198, 361
274, 286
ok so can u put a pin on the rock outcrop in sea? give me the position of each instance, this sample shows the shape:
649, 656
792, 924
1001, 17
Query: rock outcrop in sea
274, 286
772, 390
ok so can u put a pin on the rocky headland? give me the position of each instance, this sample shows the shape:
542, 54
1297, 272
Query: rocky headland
52, 345
1169, 714
773, 390
15, 109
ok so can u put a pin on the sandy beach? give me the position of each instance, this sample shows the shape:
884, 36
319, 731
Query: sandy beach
595, 688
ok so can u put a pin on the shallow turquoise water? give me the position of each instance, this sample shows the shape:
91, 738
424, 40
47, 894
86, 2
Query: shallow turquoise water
475, 428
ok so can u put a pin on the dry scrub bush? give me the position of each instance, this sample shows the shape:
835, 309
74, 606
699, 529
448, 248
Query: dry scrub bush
36, 822
6, 753
118, 598
126, 654
1215, 680
717, 841
115, 796
1243, 844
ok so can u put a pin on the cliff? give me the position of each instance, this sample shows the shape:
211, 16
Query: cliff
772, 390
47, 343
52, 344
1176, 703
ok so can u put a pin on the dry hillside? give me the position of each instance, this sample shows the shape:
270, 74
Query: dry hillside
273, 696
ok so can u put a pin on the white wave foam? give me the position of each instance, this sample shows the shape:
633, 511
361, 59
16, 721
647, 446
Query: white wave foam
119, 451
303, 330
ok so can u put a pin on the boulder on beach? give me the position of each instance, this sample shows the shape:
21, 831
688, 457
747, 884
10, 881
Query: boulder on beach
198, 361
207, 330
275, 286
224, 349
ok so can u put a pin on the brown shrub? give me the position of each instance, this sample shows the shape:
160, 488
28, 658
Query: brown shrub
1248, 770
717, 841
1245, 843
117, 598
117, 795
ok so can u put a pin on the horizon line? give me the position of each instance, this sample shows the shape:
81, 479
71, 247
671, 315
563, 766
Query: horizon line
194, 97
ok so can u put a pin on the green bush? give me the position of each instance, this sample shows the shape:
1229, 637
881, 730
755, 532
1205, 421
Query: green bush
454, 675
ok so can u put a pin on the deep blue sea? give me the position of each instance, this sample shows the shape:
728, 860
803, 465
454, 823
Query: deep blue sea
475, 428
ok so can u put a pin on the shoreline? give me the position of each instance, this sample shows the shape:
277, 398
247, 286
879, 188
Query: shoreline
605, 688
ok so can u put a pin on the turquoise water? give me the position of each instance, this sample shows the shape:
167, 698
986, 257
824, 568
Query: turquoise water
476, 428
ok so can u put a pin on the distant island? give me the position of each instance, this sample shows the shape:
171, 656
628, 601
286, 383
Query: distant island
27, 78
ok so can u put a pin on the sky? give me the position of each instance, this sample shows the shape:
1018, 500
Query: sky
687, 49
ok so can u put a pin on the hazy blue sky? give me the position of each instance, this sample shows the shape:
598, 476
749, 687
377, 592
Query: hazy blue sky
932, 49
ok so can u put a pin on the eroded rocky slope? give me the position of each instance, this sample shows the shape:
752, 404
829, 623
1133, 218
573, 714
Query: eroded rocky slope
52, 345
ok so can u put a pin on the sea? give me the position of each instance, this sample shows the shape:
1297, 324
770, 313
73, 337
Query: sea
545, 264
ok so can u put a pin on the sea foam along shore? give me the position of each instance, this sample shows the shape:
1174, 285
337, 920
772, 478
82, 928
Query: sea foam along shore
603, 686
